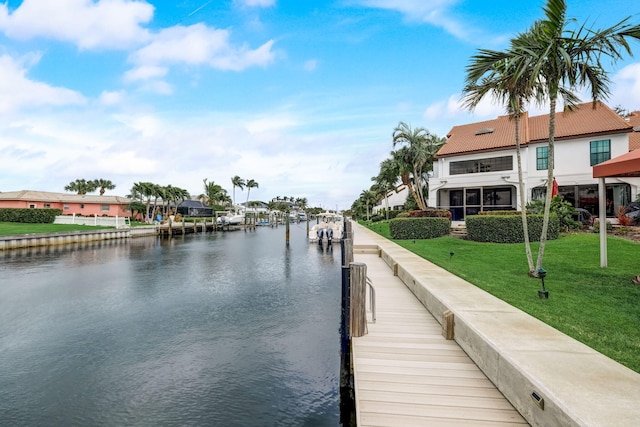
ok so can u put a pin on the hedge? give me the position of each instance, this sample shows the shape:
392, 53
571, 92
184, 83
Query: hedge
419, 228
508, 228
32, 216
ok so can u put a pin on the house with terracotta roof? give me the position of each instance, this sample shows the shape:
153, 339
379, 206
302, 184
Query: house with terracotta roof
476, 169
86, 204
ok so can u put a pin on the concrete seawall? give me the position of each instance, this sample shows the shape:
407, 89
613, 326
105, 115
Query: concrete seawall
550, 378
53, 239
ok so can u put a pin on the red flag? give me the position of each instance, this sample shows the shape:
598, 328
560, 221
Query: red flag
554, 188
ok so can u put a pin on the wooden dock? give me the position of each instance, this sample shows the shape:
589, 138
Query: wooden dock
405, 372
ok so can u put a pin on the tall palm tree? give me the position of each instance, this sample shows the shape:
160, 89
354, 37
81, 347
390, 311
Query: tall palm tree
559, 60
236, 181
103, 184
493, 73
368, 198
416, 157
81, 186
250, 184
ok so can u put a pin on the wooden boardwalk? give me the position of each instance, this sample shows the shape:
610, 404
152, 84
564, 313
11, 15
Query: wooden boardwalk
406, 373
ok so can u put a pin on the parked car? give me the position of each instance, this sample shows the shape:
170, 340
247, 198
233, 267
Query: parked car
583, 216
632, 210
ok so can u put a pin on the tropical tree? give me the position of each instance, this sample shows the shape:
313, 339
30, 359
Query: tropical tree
368, 198
143, 191
213, 194
236, 181
103, 184
558, 60
387, 179
81, 186
250, 184
415, 158
493, 73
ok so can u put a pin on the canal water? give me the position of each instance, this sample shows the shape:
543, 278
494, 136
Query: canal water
215, 329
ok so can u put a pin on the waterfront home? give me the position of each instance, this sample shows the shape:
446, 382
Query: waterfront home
476, 170
78, 204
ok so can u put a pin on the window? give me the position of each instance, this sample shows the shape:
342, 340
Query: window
542, 158
66, 207
32, 206
493, 164
47, 205
81, 205
600, 151
104, 208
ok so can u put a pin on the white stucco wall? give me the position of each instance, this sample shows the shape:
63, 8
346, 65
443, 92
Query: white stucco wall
572, 167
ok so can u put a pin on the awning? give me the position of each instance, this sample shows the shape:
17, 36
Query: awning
627, 164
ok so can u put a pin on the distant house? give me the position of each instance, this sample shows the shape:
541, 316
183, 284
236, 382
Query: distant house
87, 205
476, 169
193, 208
396, 199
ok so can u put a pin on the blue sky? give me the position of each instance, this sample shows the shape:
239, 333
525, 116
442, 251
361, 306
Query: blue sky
301, 96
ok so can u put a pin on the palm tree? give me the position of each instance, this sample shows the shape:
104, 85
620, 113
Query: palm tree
103, 184
387, 179
250, 184
81, 186
416, 157
236, 181
367, 198
143, 191
558, 60
213, 194
492, 73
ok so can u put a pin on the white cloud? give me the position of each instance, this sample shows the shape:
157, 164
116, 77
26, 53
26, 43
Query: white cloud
17, 91
626, 91
434, 12
111, 97
145, 72
195, 45
256, 3
311, 65
85, 23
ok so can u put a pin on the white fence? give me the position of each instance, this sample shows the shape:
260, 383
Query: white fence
105, 221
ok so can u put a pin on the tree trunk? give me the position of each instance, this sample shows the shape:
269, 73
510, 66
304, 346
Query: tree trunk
525, 223
547, 200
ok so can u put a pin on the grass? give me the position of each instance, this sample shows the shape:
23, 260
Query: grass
11, 228
599, 307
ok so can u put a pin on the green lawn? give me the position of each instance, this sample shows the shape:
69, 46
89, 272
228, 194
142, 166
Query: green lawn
9, 228
597, 306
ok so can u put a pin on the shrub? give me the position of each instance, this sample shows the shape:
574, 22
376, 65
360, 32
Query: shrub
563, 209
511, 212
31, 216
508, 228
419, 228
623, 219
430, 213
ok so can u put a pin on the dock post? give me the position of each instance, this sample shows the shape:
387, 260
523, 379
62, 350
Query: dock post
358, 299
287, 229
347, 393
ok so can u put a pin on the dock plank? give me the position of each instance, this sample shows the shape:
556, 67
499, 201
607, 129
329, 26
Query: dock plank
407, 374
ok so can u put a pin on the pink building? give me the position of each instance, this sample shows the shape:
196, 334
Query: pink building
87, 205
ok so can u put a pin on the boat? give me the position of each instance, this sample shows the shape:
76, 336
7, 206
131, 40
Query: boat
328, 229
230, 218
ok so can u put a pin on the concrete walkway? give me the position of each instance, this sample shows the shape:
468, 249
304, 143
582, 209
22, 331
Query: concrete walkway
406, 373
549, 377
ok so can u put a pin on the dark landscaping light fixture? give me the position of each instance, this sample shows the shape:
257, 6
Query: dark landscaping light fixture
542, 293
451, 255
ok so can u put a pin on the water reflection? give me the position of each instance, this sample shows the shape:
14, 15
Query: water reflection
208, 329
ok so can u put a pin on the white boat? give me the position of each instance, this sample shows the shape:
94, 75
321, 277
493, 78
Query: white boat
328, 229
229, 218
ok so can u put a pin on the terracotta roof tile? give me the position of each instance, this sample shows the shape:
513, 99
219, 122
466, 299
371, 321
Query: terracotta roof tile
584, 120
634, 137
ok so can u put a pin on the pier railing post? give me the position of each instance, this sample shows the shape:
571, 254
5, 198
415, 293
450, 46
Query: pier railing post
358, 299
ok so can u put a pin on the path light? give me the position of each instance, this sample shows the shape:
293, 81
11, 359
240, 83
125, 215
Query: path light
451, 255
542, 293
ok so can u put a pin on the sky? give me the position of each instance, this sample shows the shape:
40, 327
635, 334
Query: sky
301, 96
